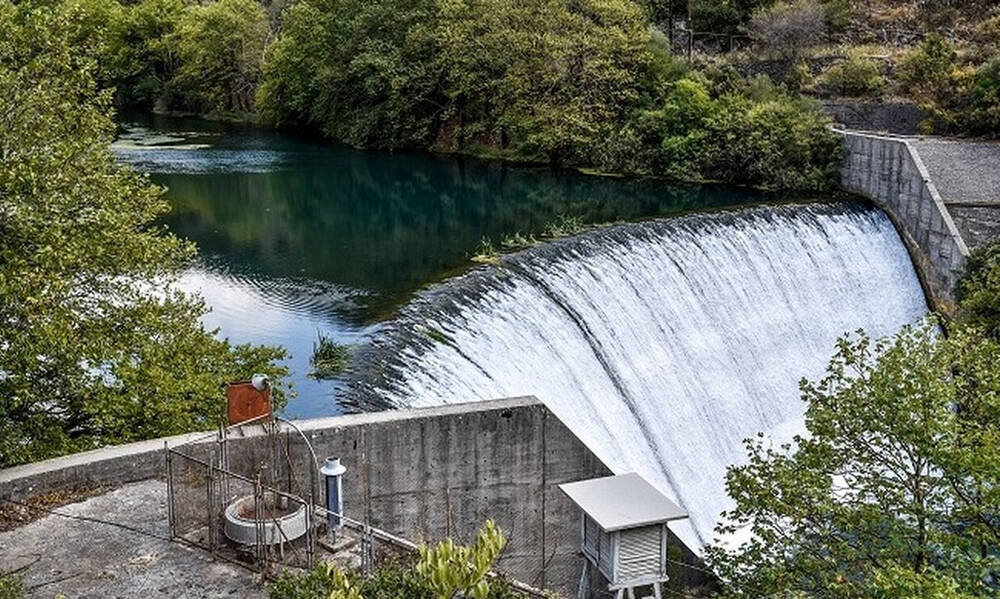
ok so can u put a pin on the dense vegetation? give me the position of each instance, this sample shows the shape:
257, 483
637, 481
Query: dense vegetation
587, 84
98, 347
896, 489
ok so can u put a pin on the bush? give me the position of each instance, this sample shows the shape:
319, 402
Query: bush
978, 291
788, 26
854, 77
11, 586
983, 115
925, 71
441, 572
781, 143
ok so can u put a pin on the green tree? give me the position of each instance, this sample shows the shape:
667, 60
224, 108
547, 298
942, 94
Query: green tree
539, 79
144, 58
98, 346
220, 46
978, 291
893, 493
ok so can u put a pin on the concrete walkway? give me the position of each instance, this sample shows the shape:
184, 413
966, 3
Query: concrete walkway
74, 558
967, 175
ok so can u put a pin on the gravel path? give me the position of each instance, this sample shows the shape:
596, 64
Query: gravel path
85, 559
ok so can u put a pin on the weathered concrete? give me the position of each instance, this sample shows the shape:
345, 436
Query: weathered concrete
890, 172
78, 558
876, 116
423, 474
967, 174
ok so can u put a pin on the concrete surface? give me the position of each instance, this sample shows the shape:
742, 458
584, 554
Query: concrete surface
967, 174
422, 474
964, 171
877, 116
890, 172
86, 559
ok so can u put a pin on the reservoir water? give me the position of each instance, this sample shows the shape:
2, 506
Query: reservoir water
298, 237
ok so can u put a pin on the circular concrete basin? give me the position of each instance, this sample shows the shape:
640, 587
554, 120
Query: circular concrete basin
283, 520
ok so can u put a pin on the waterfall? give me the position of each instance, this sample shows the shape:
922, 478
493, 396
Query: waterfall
661, 345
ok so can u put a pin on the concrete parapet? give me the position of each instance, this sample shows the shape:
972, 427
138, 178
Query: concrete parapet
889, 171
423, 474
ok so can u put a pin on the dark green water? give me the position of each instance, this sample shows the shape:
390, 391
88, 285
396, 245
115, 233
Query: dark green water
298, 236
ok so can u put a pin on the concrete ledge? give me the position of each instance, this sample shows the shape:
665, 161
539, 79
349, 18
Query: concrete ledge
131, 462
422, 474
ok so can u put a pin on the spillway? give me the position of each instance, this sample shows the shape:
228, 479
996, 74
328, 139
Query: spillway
662, 345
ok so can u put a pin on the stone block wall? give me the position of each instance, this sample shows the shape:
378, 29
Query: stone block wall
890, 173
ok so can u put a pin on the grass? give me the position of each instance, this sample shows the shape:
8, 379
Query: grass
329, 358
489, 252
437, 335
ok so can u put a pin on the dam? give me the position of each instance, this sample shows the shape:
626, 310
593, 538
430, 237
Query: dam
653, 347
662, 345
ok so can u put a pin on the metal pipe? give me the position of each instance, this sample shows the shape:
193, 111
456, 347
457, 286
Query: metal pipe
334, 471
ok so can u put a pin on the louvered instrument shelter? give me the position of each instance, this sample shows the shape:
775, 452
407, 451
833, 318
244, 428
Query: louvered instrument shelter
624, 529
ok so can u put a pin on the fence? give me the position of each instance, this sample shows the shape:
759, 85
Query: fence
258, 512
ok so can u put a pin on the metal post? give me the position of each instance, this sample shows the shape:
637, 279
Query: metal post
258, 498
210, 481
170, 491
310, 537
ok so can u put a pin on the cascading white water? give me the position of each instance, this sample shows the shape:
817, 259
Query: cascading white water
662, 345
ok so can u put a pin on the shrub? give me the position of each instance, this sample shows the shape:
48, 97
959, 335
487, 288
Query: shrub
983, 115
454, 570
442, 572
11, 586
788, 26
854, 77
978, 291
925, 70
779, 143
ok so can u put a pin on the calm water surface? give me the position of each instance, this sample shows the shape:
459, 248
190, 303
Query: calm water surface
299, 237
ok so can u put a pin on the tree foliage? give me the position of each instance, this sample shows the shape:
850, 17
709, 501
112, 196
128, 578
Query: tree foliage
978, 291
98, 345
895, 490
220, 49
541, 77
733, 131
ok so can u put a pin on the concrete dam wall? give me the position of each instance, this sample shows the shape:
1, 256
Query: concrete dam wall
889, 171
664, 344
423, 474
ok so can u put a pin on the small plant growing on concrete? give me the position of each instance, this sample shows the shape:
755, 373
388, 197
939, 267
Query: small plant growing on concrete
11, 586
451, 569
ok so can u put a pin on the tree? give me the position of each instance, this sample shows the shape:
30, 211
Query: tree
978, 291
788, 26
98, 345
220, 46
893, 493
